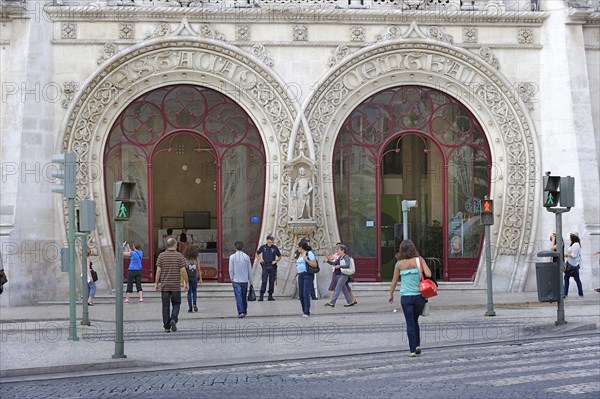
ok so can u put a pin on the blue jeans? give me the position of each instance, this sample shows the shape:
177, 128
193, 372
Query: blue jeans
91, 289
192, 294
305, 283
168, 298
412, 306
240, 290
577, 281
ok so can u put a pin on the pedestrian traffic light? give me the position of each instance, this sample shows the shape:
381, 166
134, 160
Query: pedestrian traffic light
68, 174
123, 200
567, 192
86, 216
551, 191
487, 212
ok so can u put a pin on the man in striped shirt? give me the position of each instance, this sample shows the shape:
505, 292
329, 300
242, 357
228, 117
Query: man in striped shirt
169, 266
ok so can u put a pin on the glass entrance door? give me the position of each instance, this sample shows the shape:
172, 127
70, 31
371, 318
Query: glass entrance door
411, 169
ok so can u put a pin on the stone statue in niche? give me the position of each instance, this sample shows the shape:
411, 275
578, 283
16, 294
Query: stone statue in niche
302, 196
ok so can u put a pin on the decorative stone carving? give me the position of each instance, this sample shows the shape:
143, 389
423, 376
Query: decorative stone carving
242, 32
439, 33
108, 51
340, 52
525, 36
69, 90
357, 33
68, 30
527, 91
389, 33
487, 54
302, 172
208, 31
126, 31
300, 33
470, 34
263, 54
160, 30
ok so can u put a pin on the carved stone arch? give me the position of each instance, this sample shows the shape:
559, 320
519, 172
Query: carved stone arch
163, 62
481, 88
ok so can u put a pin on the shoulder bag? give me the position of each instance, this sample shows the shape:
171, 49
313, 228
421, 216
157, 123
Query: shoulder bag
427, 288
349, 271
313, 269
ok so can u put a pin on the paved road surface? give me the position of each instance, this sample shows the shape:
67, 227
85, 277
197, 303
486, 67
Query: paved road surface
541, 367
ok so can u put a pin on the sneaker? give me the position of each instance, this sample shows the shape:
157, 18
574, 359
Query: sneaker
168, 330
580, 296
126, 301
418, 350
305, 315
141, 301
241, 315
173, 325
195, 308
190, 310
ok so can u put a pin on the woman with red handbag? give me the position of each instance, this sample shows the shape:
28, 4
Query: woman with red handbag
409, 266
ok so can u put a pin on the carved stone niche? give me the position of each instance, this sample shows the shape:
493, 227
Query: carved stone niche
302, 173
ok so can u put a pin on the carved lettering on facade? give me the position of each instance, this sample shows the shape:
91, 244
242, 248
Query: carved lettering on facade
413, 61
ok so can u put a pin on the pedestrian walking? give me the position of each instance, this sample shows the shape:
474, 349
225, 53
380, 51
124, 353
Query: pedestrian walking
305, 279
342, 261
572, 264
194, 273
268, 255
240, 274
90, 281
335, 274
409, 266
134, 271
313, 294
169, 267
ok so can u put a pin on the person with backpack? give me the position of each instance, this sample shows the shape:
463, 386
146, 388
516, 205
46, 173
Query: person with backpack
192, 267
305, 279
341, 262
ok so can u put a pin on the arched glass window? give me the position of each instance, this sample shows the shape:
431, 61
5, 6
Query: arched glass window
191, 150
412, 143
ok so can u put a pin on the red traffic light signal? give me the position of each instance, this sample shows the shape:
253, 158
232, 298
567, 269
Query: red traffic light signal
487, 212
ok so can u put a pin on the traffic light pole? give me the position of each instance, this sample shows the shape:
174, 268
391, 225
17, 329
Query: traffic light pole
488, 269
119, 341
560, 313
72, 294
85, 319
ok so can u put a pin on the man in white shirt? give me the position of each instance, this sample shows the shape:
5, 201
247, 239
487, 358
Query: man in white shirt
240, 274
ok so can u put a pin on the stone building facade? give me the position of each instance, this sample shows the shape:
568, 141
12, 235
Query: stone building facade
300, 119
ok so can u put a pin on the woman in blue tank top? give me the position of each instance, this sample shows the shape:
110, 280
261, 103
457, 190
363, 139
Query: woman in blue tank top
410, 298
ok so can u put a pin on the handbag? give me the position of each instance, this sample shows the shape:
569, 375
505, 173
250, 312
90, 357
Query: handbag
313, 269
570, 269
251, 293
349, 271
427, 288
94, 275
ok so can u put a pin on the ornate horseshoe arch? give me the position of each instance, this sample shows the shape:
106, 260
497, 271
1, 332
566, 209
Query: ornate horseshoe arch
164, 62
479, 87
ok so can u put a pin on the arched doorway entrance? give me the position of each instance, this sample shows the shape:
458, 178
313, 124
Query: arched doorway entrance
198, 163
412, 142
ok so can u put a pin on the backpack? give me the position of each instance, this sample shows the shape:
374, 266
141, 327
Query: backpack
192, 269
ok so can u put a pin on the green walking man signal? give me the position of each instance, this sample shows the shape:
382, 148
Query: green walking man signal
123, 195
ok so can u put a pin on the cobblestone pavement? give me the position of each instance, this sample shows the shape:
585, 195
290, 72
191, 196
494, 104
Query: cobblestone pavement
565, 367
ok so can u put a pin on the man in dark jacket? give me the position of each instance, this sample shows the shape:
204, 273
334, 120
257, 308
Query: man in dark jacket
268, 256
